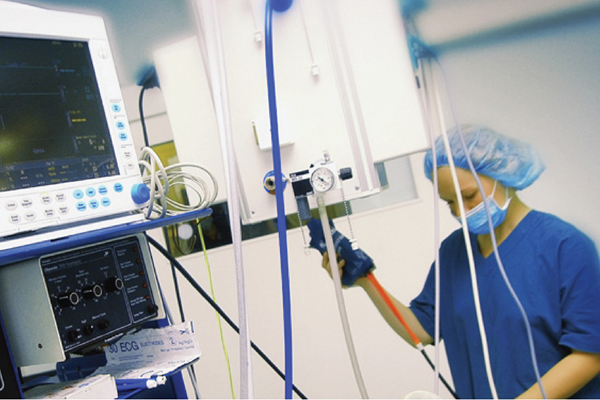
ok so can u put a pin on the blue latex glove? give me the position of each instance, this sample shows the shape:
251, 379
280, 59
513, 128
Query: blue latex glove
358, 263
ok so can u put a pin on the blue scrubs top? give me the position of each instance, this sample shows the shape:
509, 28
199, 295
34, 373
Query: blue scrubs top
554, 270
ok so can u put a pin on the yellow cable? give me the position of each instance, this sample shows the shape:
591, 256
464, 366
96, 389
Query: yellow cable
212, 292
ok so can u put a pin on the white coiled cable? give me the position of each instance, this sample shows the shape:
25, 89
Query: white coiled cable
160, 180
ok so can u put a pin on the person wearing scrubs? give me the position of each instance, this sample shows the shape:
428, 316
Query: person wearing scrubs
552, 266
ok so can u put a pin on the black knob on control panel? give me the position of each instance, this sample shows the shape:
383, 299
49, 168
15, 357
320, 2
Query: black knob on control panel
74, 335
152, 308
113, 284
103, 324
92, 292
88, 329
68, 299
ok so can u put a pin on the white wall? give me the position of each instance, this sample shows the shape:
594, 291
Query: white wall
542, 87
316, 112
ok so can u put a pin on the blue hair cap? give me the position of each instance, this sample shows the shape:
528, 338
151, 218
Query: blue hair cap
514, 163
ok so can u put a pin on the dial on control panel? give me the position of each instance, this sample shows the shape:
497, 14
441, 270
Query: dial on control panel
92, 292
113, 284
68, 299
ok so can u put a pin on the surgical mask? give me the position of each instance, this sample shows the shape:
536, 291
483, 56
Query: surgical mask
477, 221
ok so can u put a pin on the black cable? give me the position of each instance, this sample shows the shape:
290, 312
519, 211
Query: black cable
174, 273
440, 375
218, 309
142, 119
148, 81
178, 296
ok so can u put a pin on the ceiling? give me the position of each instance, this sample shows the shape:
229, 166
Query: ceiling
135, 27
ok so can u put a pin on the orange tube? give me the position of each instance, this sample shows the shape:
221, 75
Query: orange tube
393, 307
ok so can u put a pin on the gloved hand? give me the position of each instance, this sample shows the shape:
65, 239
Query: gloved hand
358, 263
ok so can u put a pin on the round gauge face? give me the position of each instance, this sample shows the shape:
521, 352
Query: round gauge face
322, 179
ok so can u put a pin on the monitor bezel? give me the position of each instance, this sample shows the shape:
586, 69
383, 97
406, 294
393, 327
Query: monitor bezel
24, 21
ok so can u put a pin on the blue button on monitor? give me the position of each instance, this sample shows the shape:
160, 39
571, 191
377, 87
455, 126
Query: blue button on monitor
120, 125
116, 108
118, 187
78, 194
123, 136
103, 190
105, 201
81, 206
94, 204
91, 192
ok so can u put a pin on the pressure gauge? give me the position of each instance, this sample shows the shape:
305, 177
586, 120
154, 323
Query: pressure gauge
322, 179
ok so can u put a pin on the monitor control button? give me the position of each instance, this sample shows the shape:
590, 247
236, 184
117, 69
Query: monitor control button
30, 215
46, 198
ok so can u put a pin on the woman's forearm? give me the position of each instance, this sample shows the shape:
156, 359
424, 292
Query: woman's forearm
567, 377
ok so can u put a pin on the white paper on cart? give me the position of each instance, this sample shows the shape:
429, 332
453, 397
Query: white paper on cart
151, 352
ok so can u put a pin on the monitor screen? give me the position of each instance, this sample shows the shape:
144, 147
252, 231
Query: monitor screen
52, 123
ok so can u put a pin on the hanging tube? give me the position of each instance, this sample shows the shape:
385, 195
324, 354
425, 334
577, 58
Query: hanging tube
281, 219
337, 283
207, 17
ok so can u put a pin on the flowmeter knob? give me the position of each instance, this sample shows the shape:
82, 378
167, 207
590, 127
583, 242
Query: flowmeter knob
345, 173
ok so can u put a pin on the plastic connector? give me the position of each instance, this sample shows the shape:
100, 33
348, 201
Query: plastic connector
149, 79
409, 8
269, 182
358, 263
281, 5
418, 49
140, 193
